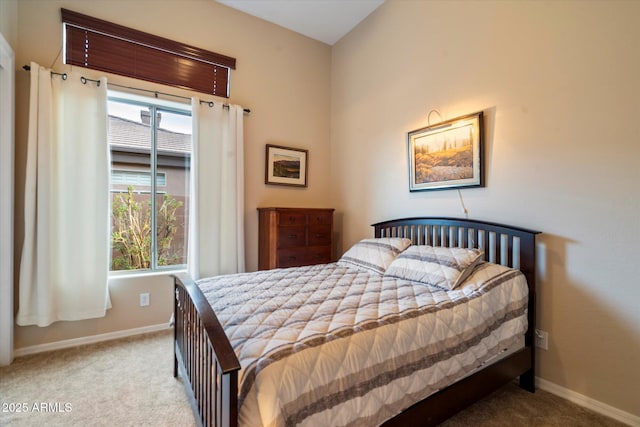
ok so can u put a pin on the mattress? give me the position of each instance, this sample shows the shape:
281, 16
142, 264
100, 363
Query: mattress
332, 345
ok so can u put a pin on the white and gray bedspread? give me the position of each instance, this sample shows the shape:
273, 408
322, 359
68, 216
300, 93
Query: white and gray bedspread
327, 345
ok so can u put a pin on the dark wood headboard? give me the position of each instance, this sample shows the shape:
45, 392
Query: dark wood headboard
513, 247
502, 244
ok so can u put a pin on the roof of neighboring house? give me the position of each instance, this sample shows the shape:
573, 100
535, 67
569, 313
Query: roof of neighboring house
129, 134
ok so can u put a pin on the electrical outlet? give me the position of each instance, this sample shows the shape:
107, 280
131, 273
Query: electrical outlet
144, 299
542, 339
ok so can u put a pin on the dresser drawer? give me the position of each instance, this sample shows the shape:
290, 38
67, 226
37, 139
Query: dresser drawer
291, 237
295, 257
291, 257
318, 255
319, 235
292, 218
320, 218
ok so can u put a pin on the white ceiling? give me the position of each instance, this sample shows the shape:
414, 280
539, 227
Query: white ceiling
324, 20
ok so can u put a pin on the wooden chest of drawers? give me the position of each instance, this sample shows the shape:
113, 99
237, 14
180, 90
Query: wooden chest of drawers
291, 237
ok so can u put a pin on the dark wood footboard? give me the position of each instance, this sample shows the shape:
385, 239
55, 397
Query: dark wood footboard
205, 357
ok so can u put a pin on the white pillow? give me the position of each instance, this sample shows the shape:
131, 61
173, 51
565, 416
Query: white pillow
374, 255
445, 268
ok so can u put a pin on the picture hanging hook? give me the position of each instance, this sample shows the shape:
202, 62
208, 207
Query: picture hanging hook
429, 116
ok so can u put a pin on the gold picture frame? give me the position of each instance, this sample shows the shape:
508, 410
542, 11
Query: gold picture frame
447, 155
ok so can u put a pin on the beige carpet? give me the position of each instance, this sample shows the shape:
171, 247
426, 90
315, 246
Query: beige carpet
129, 382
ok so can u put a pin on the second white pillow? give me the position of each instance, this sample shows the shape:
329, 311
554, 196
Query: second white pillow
442, 267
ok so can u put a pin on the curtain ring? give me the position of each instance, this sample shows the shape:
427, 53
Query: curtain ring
84, 81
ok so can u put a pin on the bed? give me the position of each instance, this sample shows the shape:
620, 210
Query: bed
220, 357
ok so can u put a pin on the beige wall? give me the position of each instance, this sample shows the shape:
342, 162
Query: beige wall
8, 19
558, 82
284, 78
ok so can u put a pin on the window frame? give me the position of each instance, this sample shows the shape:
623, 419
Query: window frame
155, 105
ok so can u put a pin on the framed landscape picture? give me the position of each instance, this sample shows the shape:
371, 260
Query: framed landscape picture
447, 155
286, 166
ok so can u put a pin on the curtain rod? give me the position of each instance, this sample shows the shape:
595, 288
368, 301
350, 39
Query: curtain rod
155, 92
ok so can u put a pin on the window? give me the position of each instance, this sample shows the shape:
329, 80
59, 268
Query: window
150, 143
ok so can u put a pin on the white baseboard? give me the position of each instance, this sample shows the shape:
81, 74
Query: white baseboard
58, 345
589, 403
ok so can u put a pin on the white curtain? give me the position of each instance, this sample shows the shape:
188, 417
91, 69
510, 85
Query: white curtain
216, 221
65, 258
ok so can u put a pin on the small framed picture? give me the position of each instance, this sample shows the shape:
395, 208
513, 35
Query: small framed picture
286, 166
447, 155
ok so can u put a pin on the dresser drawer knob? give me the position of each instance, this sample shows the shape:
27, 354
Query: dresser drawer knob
292, 236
